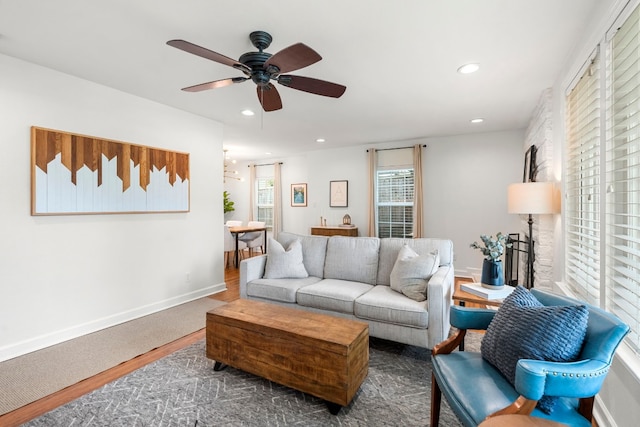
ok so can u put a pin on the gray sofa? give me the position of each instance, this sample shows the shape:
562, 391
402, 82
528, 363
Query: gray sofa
350, 277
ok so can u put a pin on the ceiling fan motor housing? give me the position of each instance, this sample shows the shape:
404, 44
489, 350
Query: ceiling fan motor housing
255, 61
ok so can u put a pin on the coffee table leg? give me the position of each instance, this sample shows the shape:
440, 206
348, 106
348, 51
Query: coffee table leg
333, 408
219, 366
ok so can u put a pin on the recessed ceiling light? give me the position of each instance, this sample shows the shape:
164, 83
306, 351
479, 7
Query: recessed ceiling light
267, 153
469, 68
320, 140
478, 120
248, 113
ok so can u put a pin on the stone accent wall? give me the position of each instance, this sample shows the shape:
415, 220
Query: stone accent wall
540, 134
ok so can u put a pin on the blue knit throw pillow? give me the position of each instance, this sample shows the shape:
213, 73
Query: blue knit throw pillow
523, 328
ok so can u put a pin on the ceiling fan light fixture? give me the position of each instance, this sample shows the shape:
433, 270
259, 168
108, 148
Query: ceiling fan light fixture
228, 172
469, 68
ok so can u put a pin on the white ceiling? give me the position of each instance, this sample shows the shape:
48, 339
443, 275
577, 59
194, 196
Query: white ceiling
398, 60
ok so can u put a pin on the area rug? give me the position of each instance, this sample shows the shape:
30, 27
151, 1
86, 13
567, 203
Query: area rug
182, 389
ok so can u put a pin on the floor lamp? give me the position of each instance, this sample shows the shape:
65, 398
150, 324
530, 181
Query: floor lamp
531, 198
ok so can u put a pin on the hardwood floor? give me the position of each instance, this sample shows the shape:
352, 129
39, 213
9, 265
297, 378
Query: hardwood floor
48, 403
232, 279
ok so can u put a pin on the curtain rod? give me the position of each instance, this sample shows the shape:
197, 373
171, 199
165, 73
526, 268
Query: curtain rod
267, 164
396, 148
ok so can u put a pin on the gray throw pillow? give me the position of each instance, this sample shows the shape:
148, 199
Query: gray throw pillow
523, 328
411, 273
284, 264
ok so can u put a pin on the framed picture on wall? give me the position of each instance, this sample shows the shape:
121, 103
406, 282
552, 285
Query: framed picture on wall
299, 194
339, 194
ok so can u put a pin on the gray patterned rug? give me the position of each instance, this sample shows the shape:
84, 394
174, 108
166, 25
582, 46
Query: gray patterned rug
182, 389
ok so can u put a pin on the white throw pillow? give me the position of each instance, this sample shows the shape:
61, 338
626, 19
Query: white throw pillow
412, 272
284, 264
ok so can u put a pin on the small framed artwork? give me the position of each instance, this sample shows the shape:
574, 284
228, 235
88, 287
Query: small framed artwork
299, 194
530, 165
339, 194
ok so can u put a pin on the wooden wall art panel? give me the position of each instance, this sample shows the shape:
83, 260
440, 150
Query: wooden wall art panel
78, 174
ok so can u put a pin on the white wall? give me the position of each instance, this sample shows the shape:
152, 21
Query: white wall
64, 276
465, 188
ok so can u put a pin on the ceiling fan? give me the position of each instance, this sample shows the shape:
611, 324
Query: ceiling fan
262, 67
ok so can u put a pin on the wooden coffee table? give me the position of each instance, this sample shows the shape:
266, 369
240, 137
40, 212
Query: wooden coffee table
318, 354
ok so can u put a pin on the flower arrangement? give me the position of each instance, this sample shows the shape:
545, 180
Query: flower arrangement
493, 247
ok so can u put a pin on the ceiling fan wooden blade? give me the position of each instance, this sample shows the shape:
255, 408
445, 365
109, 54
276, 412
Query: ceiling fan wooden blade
315, 86
208, 54
293, 58
215, 84
269, 97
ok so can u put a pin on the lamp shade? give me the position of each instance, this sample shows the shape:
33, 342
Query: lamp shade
532, 198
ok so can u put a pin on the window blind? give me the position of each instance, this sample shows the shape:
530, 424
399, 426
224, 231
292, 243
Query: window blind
395, 192
622, 210
264, 200
582, 186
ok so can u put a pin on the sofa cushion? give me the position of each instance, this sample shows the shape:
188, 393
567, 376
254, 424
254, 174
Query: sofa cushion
332, 295
383, 304
284, 264
523, 328
389, 248
352, 258
283, 290
411, 273
314, 249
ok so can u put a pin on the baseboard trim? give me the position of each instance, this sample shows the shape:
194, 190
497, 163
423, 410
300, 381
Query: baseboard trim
37, 343
602, 415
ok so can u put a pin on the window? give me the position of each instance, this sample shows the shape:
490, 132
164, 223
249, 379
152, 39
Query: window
602, 181
622, 273
264, 200
582, 187
395, 189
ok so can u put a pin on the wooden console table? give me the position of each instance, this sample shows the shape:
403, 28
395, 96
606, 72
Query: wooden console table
334, 231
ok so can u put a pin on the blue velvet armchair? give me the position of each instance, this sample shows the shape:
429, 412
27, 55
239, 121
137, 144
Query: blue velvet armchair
476, 390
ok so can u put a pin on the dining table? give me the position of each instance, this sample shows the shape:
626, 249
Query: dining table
238, 230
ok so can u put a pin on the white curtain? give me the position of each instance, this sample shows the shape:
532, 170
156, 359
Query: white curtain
371, 160
277, 200
417, 192
252, 190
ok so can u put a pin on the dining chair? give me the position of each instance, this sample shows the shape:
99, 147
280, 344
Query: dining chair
230, 247
233, 223
254, 239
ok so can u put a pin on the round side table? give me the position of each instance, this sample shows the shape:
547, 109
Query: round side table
519, 421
